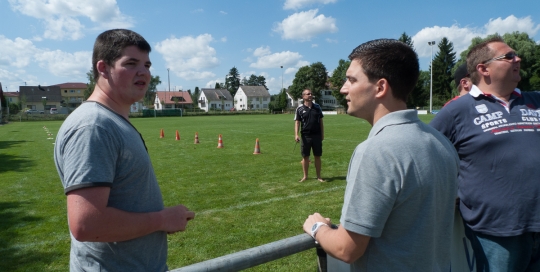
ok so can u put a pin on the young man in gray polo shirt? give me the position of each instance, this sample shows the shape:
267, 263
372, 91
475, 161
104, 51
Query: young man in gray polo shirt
115, 211
401, 184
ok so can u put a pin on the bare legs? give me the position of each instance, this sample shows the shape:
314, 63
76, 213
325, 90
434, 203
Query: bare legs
318, 168
305, 168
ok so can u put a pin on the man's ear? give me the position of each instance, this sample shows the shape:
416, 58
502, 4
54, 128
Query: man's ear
482, 69
382, 88
103, 69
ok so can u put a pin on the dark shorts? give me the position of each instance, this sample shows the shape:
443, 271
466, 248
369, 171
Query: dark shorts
311, 142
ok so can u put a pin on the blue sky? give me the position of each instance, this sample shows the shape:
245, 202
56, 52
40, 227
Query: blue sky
49, 42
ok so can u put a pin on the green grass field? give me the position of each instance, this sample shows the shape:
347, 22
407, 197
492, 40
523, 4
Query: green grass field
241, 200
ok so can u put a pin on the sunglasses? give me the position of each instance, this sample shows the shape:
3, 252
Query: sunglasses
507, 56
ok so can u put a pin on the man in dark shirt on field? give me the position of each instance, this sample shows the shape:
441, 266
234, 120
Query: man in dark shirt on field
308, 117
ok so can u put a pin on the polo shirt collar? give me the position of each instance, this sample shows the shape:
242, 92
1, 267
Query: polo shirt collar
476, 92
394, 118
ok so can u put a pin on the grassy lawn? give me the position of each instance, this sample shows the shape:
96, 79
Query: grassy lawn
241, 200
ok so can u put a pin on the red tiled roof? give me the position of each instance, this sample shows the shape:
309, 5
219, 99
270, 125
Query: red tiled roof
167, 97
11, 94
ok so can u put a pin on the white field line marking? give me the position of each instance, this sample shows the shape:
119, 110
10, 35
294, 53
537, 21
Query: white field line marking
255, 203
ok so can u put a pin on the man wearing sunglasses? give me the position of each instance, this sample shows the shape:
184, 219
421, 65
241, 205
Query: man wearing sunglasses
495, 130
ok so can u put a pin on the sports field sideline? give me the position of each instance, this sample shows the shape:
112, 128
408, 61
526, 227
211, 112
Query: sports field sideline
241, 200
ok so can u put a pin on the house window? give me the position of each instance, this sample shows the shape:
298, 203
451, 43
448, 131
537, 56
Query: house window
65, 91
265, 99
240, 99
257, 106
265, 106
71, 91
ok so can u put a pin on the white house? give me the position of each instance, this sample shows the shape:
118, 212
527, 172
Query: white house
291, 102
251, 98
327, 100
215, 99
137, 106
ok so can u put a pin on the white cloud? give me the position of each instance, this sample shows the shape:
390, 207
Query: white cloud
262, 51
265, 59
189, 56
292, 70
314, 45
17, 53
223, 12
63, 64
511, 24
298, 4
305, 25
212, 83
61, 17
331, 40
461, 36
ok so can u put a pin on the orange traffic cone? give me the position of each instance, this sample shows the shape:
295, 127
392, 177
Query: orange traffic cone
196, 138
220, 142
161, 134
177, 136
257, 148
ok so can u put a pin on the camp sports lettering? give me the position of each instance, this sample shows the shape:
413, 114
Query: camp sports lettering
490, 119
529, 115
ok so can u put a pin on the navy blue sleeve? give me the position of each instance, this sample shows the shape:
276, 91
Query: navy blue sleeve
445, 123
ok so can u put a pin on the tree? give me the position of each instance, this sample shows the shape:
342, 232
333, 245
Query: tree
150, 95
419, 96
443, 63
90, 85
219, 86
337, 80
232, 81
255, 81
311, 77
22, 102
407, 40
195, 96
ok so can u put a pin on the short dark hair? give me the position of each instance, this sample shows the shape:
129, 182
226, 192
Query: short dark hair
478, 54
110, 44
390, 59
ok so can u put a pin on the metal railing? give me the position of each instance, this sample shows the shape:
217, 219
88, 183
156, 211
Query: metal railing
259, 255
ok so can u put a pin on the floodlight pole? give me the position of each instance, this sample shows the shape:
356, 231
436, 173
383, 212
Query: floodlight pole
281, 78
431, 80
168, 79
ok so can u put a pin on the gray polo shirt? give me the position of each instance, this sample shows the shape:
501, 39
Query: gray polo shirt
401, 189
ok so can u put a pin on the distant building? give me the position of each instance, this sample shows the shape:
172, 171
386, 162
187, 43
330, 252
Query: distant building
215, 99
12, 97
327, 101
41, 98
251, 98
172, 100
291, 102
72, 93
